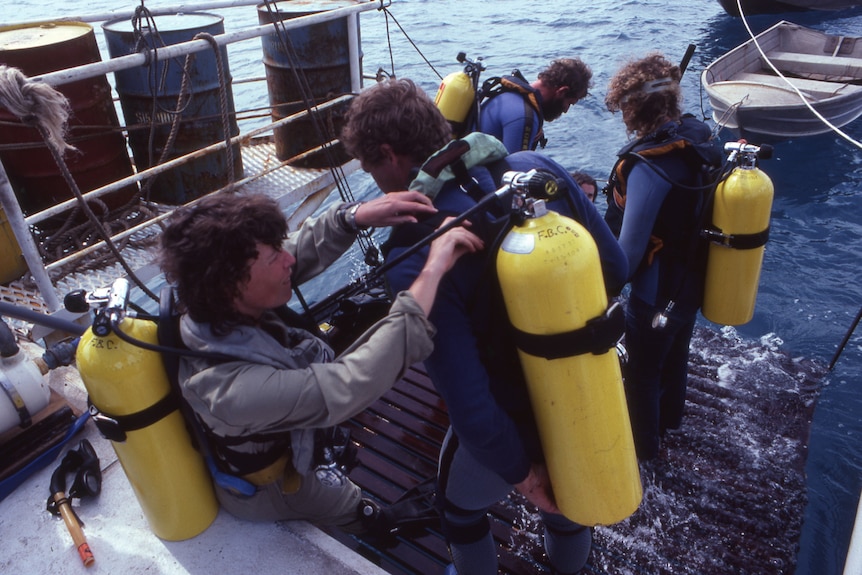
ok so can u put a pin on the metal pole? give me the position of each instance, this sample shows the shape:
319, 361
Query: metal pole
354, 53
26, 242
845, 340
127, 14
176, 50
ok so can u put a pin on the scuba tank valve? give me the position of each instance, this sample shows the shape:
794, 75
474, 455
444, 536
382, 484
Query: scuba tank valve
538, 184
746, 154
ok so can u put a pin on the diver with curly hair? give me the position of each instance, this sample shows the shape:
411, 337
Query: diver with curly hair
657, 190
515, 110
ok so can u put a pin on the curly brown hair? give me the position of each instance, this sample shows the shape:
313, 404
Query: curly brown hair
398, 113
644, 111
207, 250
571, 72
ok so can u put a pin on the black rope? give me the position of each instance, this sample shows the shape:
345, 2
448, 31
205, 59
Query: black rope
846, 339
223, 102
58, 158
412, 43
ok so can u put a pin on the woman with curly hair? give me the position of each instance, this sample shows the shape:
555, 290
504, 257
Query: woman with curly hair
660, 194
266, 383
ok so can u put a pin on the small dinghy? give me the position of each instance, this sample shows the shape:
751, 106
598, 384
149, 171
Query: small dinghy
749, 96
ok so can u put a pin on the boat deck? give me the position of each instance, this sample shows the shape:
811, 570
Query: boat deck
726, 496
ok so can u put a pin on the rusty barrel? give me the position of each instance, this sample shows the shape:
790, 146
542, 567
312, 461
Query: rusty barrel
316, 57
149, 96
94, 129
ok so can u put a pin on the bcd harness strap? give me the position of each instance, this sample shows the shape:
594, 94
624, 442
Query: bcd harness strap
516, 83
598, 336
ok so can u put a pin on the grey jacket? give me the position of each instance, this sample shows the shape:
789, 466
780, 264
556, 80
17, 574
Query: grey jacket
285, 380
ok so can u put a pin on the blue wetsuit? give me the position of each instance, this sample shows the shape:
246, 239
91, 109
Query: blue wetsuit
659, 235
512, 119
493, 438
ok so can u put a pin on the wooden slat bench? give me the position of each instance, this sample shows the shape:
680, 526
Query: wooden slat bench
842, 68
816, 88
709, 501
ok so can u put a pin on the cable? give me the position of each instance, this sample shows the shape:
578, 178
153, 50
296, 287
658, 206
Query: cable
845, 340
412, 43
115, 327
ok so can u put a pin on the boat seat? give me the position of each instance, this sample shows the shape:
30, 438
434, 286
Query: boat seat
836, 68
814, 88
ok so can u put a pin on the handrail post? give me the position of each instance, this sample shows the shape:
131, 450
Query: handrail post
26, 242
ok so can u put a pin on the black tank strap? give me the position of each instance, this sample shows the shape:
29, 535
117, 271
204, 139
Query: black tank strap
115, 427
598, 336
736, 241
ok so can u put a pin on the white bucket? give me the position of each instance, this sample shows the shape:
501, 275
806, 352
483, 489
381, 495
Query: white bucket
26, 381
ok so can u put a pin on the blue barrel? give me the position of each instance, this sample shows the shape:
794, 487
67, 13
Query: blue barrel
149, 94
321, 54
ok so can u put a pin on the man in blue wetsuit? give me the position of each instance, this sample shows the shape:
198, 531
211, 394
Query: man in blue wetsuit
492, 445
662, 192
515, 110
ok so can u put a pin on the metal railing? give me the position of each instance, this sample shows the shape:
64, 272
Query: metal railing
20, 225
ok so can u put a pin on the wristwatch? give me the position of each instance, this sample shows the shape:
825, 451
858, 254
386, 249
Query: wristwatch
347, 213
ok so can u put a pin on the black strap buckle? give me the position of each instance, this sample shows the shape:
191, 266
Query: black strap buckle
109, 427
736, 241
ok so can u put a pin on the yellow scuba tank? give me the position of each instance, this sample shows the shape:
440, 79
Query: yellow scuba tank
740, 228
454, 98
551, 279
456, 95
128, 388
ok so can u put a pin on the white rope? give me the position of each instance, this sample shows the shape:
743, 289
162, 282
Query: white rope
789, 83
35, 102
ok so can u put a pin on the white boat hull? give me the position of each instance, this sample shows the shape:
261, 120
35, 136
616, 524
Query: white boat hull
820, 71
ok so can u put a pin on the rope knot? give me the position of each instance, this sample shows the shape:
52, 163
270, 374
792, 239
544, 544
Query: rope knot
36, 104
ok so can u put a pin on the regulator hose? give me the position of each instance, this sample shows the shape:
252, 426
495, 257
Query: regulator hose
24, 314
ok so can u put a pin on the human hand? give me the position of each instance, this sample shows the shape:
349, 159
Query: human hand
537, 489
445, 251
451, 245
394, 208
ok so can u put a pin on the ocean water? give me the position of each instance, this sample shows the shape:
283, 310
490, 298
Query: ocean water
810, 291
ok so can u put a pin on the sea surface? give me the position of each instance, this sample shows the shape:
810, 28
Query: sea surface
810, 290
